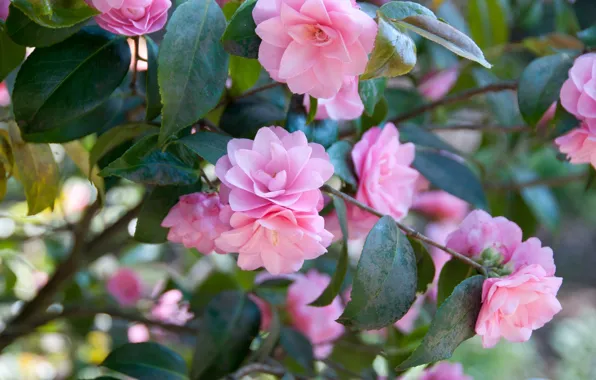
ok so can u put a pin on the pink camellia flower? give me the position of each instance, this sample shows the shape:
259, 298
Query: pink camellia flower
440, 205
445, 371
171, 308
107, 5
548, 116
578, 94
276, 238
134, 17
197, 220
138, 333
436, 85
345, 105
313, 44
579, 145
4, 95
514, 306
316, 323
77, 196
4, 4
438, 231
359, 224
278, 167
386, 180
125, 286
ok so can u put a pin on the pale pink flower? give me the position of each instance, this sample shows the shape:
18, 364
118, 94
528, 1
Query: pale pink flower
438, 232
345, 105
359, 224
276, 238
579, 145
578, 94
548, 116
386, 180
264, 309
313, 44
437, 84
197, 220
4, 4
134, 17
406, 323
278, 167
514, 306
40, 279
106, 5
138, 333
445, 371
125, 286
316, 323
4, 95
77, 196
171, 308
440, 205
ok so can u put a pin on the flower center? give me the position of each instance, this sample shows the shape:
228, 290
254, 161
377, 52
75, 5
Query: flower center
134, 13
274, 238
319, 36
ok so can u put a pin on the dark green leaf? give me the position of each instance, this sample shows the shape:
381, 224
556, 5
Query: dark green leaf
269, 344
152, 95
145, 361
565, 18
210, 146
146, 163
425, 266
540, 199
24, 31
354, 355
588, 36
273, 291
401, 100
216, 283
340, 155
94, 57
230, 323
337, 280
298, 347
192, 65
454, 272
154, 210
502, 104
454, 323
244, 72
540, 85
398, 10
376, 119
450, 175
230, 8
240, 37
11, 54
324, 132
421, 137
563, 121
371, 92
394, 52
384, 286
312, 110
488, 22
56, 13
114, 137
369, 9
399, 346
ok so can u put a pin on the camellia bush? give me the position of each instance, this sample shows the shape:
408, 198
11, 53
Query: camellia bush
286, 188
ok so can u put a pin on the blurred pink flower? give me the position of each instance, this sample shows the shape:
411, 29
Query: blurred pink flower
359, 224
445, 371
4, 95
171, 308
548, 116
316, 323
107, 5
276, 238
313, 44
125, 286
440, 205
197, 220
77, 196
438, 231
138, 333
278, 167
578, 94
134, 17
515, 305
40, 279
4, 4
579, 145
345, 105
437, 84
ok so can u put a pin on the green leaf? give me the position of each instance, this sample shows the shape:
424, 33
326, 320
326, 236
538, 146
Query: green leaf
425, 267
146, 361
565, 18
240, 37
37, 171
210, 146
11, 54
399, 10
191, 82
312, 110
540, 84
540, 199
340, 154
354, 355
152, 95
421, 137
588, 36
402, 100
488, 22
324, 132
298, 347
371, 92
453, 323
146, 163
244, 72
266, 348
563, 121
80, 156
230, 8
56, 13
394, 52
454, 272
114, 137
154, 210
216, 283
368, 8
503, 104
24, 31
379, 114
384, 286
94, 57
399, 346
273, 291
450, 175
337, 280
230, 323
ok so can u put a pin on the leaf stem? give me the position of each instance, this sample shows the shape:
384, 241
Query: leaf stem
407, 230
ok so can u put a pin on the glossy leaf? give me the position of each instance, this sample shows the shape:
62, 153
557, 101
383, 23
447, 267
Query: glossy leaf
312, 110
230, 323
488, 22
152, 95
454, 272
298, 347
213, 285
11, 54
94, 57
114, 137
384, 286
244, 72
192, 65
394, 52
450, 175
24, 31
240, 37
425, 266
210, 146
399, 10
146, 361
56, 13
540, 199
340, 155
324, 132
588, 36
540, 85
371, 92
453, 323
80, 156
37, 171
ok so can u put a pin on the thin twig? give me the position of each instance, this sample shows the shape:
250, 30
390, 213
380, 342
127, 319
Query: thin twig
551, 182
249, 93
135, 60
479, 128
407, 230
464, 95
